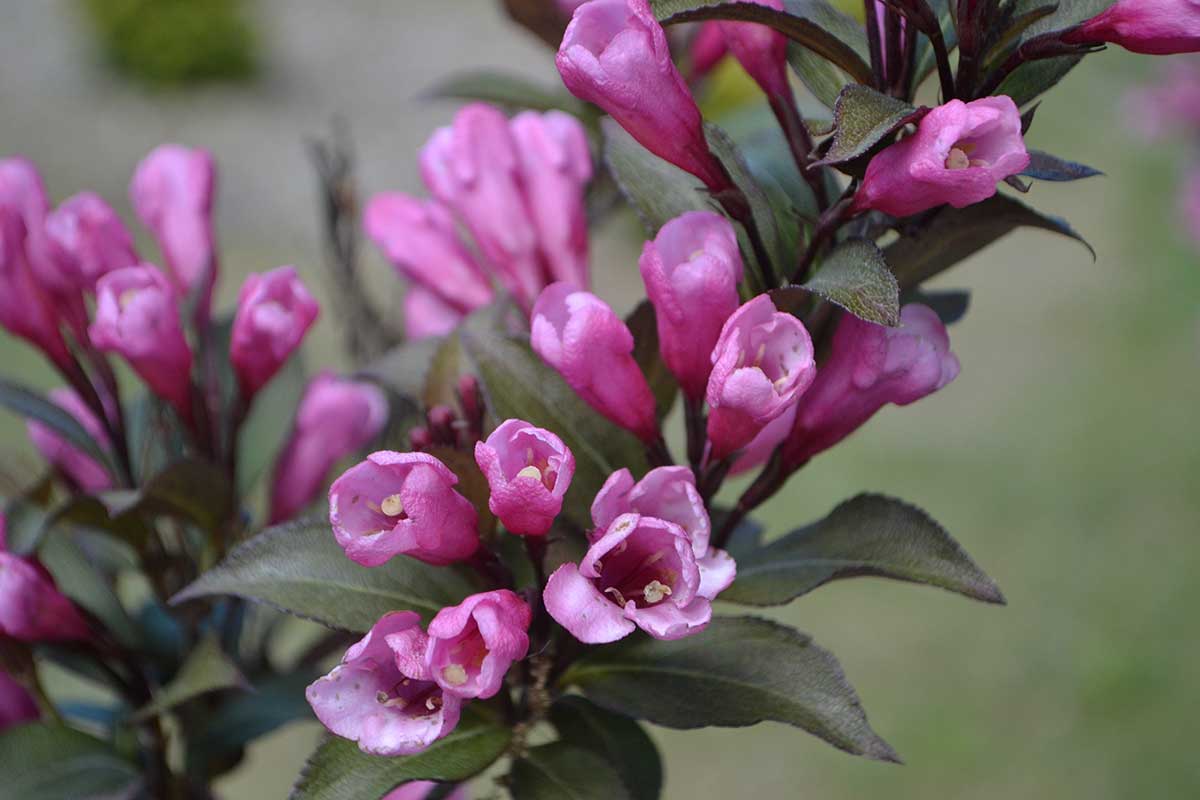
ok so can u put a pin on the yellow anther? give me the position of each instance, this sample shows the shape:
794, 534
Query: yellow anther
957, 159
530, 472
655, 591
392, 506
454, 674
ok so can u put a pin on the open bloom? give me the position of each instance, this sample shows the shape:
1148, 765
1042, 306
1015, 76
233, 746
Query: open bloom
615, 54
763, 361
32, 609
401, 504
137, 315
761, 50
426, 314
691, 270
16, 703
528, 470
275, 311
641, 572
577, 334
382, 696
85, 240
957, 156
26, 309
81, 468
1154, 27
335, 418
668, 493
870, 366
472, 644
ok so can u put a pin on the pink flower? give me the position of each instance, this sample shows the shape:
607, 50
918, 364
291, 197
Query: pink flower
615, 54
172, 194
427, 315
763, 445
274, 312
870, 366
16, 704
401, 504
1171, 106
707, 49
82, 469
1154, 27
26, 309
23, 192
761, 50
667, 493
137, 315
957, 156
528, 470
382, 696
692, 270
556, 165
577, 334
472, 166
336, 417
761, 364
419, 790
472, 644
420, 239
87, 240
641, 572
31, 608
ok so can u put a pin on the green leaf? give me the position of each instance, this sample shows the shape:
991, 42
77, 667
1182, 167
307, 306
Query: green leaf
813, 23
242, 718
114, 512
822, 78
190, 489
863, 117
78, 577
952, 235
206, 669
740, 671
560, 771
926, 57
949, 304
156, 437
404, 368
619, 740
1068, 13
869, 535
855, 276
1045, 167
644, 327
1033, 78
338, 770
659, 192
507, 90
33, 406
53, 762
298, 568
25, 525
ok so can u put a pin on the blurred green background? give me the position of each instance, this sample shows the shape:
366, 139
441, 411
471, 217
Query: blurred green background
1066, 458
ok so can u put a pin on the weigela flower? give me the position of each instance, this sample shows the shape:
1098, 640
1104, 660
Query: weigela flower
577, 334
23, 192
528, 470
668, 493
402, 504
761, 50
26, 309
957, 156
763, 445
472, 644
336, 417
85, 240
32, 609
427, 315
706, 50
691, 270
16, 703
137, 315
1154, 27
870, 366
615, 54
762, 362
382, 696
81, 468
275, 311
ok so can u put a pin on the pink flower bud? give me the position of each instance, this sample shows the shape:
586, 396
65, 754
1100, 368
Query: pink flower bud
420, 239
577, 334
427, 315
16, 704
692, 270
137, 315
86, 240
420, 790
759, 451
642, 572
336, 417
82, 469
761, 364
870, 366
761, 50
528, 470
472, 167
472, 644
274, 313
26, 309
172, 194
667, 493
707, 49
1153, 27
382, 696
23, 192
615, 54
31, 608
556, 165
957, 156
401, 504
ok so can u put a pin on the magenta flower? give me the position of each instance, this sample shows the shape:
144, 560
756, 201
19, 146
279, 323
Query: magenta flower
23, 192
641, 572
420, 239
615, 54
382, 696
86, 240
667, 493
957, 156
761, 50
761, 364
528, 470
82, 469
26, 310
137, 315
172, 194
1154, 27
472, 644
427, 315
577, 334
275, 311
32, 609
336, 417
763, 445
692, 270
419, 790
16, 703
401, 504
870, 366
707, 49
